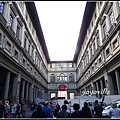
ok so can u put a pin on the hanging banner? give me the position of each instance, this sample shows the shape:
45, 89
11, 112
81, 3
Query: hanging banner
62, 88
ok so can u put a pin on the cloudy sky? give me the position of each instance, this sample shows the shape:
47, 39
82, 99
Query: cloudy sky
61, 22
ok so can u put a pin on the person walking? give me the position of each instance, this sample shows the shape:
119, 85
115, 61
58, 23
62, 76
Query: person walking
12, 109
38, 113
98, 110
87, 110
77, 113
63, 113
47, 110
18, 109
68, 107
114, 111
24, 109
2, 110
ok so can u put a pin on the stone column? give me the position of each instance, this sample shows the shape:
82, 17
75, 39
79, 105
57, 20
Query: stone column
7, 86
117, 80
18, 86
27, 91
108, 82
101, 84
97, 85
23, 90
14, 88
31, 93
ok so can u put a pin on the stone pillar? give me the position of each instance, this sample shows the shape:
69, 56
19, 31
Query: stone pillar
108, 82
97, 85
14, 88
101, 84
36, 92
6, 12
117, 80
23, 90
31, 93
27, 91
18, 86
14, 25
7, 86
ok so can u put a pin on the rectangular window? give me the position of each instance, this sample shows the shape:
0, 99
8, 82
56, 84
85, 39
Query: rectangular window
16, 54
25, 41
105, 29
2, 4
107, 52
17, 31
112, 18
115, 44
100, 60
94, 47
32, 52
70, 65
98, 40
8, 46
24, 62
10, 20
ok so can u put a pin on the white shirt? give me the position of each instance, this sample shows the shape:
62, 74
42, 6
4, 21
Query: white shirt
114, 112
68, 108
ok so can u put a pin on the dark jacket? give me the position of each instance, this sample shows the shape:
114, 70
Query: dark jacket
87, 111
62, 114
2, 110
78, 114
38, 114
98, 111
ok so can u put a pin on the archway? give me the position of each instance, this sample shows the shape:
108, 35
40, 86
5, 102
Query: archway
62, 91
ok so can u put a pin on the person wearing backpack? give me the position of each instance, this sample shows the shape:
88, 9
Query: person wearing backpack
77, 113
63, 113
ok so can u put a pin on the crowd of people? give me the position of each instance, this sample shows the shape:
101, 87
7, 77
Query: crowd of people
53, 110
13, 110
65, 111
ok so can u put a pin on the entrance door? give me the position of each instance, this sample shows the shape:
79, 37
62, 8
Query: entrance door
62, 91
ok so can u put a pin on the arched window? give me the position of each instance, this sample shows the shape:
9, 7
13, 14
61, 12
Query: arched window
52, 77
61, 78
71, 77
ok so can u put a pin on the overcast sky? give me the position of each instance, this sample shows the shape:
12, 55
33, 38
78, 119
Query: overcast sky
61, 22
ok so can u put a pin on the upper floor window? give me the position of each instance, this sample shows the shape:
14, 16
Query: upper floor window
2, 7
105, 29
119, 4
25, 42
107, 52
112, 18
98, 39
52, 78
17, 31
71, 77
62, 78
0, 38
10, 20
70, 65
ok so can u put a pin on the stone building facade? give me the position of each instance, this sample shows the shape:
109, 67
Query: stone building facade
26, 71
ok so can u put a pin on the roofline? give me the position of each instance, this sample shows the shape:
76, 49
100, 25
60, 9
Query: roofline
89, 10
37, 25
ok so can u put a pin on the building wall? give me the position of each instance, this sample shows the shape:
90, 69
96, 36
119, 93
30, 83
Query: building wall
98, 62
21, 55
